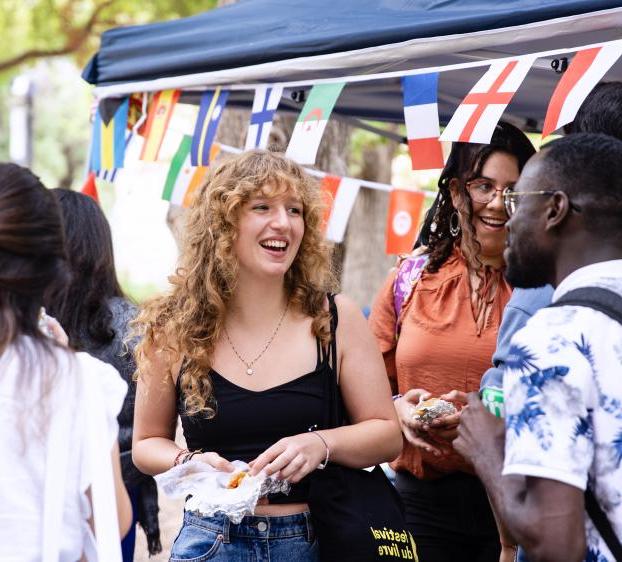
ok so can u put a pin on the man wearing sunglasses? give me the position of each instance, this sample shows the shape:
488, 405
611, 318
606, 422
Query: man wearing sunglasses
563, 378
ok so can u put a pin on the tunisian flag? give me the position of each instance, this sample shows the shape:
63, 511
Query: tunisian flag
403, 220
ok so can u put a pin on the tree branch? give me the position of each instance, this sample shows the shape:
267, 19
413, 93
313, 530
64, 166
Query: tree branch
76, 37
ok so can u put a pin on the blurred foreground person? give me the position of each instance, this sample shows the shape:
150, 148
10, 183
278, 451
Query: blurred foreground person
242, 349
436, 322
58, 440
557, 486
95, 315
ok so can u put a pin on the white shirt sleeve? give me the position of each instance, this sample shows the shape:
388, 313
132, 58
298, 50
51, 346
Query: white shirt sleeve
111, 390
549, 397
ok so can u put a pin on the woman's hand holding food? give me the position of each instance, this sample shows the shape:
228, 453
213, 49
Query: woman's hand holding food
415, 431
292, 458
215, 461
445, 428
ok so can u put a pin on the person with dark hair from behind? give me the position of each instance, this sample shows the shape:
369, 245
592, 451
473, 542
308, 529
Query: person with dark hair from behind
560, 452
95, 314
601, 112
59, 465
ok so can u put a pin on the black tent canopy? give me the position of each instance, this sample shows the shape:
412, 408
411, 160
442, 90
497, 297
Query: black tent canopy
298, 43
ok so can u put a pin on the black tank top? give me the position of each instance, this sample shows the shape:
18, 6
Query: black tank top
247, 422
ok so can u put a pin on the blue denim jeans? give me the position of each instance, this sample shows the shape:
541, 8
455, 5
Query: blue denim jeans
288, 538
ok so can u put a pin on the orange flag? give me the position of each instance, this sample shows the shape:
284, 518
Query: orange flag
89, 188
328, 187
403, 220
158, 117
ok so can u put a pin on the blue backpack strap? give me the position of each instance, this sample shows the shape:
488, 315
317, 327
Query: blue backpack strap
409, 271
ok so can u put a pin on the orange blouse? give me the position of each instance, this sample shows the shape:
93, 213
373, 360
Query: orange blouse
440, 347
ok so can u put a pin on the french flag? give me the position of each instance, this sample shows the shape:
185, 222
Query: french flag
421, 117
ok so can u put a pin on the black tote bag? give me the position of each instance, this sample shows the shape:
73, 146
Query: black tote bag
357, 514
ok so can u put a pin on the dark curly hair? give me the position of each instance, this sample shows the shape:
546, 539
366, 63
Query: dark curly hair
464, 164
84, 313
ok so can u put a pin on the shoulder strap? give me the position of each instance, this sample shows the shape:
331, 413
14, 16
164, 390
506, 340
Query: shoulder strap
409, 271
597, 298
334, 320
333, 414
608, 303
602, 523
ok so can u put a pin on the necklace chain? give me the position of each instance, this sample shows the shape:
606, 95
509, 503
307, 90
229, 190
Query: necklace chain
249, 364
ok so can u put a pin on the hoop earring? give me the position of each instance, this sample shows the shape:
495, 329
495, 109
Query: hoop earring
454, 224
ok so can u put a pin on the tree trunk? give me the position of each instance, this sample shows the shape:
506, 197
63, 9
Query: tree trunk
365, 264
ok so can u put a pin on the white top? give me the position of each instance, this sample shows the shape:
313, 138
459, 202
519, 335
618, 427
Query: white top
26, 432
563, 399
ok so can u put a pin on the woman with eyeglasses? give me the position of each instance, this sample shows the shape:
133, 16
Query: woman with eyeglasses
440, 340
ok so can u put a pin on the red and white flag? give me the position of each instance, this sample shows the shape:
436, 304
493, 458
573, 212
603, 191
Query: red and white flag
339, 195
403, 220
584, 72
477, 116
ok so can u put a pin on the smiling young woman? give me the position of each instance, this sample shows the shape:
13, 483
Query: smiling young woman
448, 333
239, 349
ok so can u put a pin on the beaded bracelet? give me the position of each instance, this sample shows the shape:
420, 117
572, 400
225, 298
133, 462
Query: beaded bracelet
189, 456
178, 457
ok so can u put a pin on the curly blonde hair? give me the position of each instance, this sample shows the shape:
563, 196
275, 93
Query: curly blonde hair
187, 322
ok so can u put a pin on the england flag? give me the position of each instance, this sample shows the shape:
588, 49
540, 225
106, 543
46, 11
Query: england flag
266, 101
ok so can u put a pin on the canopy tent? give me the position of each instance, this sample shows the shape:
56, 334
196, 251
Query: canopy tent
301, 43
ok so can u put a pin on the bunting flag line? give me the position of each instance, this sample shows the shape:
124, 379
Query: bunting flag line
421, 118
265, 104
183, 179
108, 143
158, 117
110, 175
89, 188
210, 111
403, 220
312, 121
477, 116
583, 73
340, 195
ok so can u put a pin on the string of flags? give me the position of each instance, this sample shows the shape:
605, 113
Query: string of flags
474, 120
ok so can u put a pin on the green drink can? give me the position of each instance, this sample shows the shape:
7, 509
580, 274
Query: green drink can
493, 401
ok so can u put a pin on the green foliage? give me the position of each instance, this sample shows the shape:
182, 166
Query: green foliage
32, 29
60, 126
35, 30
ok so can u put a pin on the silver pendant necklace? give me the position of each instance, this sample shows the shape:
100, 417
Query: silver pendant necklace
249, 364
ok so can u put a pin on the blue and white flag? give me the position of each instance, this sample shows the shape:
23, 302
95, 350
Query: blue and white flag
266, 101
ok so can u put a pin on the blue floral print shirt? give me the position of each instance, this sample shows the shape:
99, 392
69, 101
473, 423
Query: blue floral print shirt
563, 399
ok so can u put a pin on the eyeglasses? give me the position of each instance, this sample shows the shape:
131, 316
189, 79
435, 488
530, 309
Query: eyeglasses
511, 199
483, 191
